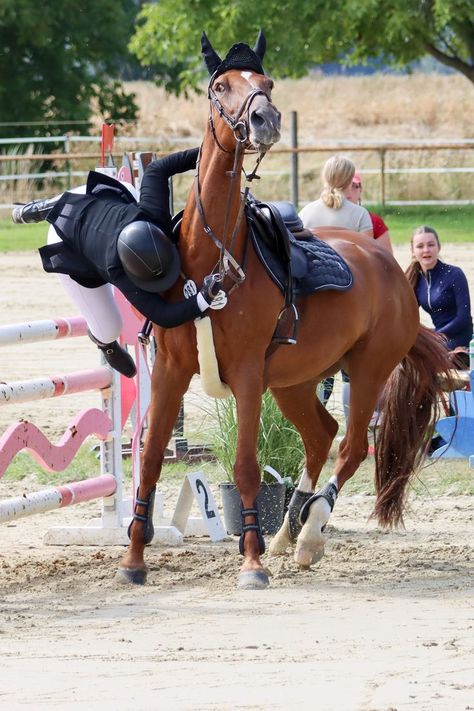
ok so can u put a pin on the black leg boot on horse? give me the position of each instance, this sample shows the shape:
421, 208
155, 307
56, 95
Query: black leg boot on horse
137, 576
254, 579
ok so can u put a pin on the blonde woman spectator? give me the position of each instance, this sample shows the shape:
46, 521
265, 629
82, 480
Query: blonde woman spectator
333, 208
381, 233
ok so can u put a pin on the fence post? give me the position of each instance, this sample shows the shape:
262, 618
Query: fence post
382, 177
111, 456
67, 150
294, 159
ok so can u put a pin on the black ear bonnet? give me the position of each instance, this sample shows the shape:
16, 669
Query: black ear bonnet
239, 56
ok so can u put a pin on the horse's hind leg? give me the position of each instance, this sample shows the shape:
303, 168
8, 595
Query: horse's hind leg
168, 387
365, 389
301, 406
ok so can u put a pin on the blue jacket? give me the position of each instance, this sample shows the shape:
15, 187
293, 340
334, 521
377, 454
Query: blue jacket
443, 292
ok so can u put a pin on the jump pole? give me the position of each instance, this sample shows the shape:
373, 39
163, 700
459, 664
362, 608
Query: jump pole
106, 423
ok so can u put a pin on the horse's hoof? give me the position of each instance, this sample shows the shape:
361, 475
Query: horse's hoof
131, 576
280, 543
253, 580
305, 557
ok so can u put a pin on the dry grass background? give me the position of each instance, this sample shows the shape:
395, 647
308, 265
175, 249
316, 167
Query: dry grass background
370, 108
330, 109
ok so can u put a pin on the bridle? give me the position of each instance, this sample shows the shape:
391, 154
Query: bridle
226, 265
239, 124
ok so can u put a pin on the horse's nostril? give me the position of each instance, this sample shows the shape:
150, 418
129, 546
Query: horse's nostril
257, 120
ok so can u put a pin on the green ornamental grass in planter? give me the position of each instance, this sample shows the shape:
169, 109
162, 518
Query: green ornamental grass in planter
279, 448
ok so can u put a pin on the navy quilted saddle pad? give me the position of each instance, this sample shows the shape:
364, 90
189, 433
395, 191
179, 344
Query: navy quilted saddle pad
314, 265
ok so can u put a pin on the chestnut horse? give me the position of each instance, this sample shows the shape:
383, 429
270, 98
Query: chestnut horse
372, 331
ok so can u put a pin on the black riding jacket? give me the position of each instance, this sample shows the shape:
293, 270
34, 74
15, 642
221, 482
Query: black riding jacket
89, 226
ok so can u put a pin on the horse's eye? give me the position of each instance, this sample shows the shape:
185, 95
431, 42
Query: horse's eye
270, 85
219, 88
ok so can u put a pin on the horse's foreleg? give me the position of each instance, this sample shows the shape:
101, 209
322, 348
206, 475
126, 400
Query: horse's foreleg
168, 387
317, 428
247, 480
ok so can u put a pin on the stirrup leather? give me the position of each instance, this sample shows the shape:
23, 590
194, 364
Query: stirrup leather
251, 527
147, 519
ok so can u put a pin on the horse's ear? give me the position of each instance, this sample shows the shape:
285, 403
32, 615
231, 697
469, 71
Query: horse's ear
211, 57
260, 45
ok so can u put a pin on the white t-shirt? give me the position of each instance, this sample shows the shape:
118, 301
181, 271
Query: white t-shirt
349, 215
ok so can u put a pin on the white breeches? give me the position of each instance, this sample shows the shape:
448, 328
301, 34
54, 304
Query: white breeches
96, 305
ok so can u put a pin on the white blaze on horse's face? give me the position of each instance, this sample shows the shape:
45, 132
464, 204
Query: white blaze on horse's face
246, 96
248, 76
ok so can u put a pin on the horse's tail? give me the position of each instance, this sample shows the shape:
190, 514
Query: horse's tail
410, 407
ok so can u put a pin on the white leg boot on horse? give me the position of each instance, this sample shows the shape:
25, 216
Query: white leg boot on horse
316, 512
314, 515
317, 427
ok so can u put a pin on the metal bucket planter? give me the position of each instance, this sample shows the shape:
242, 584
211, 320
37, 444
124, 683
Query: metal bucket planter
270, 502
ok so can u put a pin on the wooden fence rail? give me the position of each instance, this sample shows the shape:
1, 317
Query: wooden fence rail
70, 161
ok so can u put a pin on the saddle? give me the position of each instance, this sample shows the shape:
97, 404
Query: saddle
297, 262
299, 265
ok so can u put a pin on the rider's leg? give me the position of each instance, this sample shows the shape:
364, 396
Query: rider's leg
103, 317
34, 211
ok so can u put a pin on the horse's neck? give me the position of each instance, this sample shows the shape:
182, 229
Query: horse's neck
220, 199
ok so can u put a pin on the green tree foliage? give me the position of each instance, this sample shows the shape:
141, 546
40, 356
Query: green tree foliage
58, 58
304, 33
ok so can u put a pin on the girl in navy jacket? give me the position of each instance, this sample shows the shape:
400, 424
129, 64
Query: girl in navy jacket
442, 291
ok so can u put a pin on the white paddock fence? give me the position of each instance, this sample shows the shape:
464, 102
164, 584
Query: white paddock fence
383, 162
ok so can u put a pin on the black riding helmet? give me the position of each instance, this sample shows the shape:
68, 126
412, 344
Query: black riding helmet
148, 257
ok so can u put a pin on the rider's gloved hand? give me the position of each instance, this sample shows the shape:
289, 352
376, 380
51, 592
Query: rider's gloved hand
212, 293
210, 296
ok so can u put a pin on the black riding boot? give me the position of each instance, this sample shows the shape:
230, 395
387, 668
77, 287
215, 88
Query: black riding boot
34, 211
116, 356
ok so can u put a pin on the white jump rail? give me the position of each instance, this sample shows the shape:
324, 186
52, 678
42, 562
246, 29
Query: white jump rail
105, 423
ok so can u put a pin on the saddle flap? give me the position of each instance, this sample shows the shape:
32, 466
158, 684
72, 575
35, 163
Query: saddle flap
271, 228
299, 261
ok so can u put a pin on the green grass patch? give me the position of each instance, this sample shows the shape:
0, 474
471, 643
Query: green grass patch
444, 477
441, 478
85, 465
453, 224
22, 238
